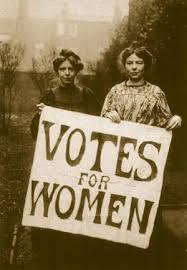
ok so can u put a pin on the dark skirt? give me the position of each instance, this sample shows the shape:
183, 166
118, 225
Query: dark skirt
58, 250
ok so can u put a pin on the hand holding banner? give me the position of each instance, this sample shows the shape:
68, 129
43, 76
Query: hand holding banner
96, 178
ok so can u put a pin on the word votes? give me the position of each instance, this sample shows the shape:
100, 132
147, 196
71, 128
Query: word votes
102, 138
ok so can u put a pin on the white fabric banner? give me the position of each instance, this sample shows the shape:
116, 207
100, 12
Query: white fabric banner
96, 178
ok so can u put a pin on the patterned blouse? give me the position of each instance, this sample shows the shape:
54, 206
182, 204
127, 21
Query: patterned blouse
144, 104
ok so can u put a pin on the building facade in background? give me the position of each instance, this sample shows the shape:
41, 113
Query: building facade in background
57, 24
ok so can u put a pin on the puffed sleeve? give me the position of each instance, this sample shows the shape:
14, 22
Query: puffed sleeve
109, 103
162, 110
48, 98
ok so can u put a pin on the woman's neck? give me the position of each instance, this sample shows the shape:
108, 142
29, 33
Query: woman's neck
67, 86
135, 83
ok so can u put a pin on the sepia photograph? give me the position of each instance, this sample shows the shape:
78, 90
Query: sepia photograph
93, 167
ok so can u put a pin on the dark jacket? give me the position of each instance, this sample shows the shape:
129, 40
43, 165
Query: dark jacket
78, 99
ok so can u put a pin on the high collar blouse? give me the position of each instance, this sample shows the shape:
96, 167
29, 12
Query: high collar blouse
75, 98
144, 104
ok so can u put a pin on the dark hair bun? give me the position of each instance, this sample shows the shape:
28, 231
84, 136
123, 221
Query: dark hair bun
70, 56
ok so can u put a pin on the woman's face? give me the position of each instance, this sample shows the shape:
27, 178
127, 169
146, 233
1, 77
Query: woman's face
134, 67
66, 73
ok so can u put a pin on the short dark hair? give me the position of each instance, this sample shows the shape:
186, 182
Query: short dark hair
69, 55
140, 51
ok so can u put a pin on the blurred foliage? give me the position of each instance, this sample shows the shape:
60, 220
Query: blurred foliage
162, 27
105, 71
42, 72
11, 55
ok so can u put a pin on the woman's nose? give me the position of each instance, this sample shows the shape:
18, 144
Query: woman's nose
134, 66
67, 71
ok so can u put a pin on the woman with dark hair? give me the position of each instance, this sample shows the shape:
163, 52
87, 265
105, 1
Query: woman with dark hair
135, 99
68, 95
54, 249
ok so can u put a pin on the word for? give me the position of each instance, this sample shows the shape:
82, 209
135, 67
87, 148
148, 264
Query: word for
94, 181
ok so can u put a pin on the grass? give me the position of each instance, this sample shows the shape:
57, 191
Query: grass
16, 152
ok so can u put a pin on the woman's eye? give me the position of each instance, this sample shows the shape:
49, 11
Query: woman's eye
140, 62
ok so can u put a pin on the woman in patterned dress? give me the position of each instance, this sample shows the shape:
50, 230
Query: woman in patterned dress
139, 101
135, 99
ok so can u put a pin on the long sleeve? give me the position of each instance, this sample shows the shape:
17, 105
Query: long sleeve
109, 103
47, 99
162, 111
